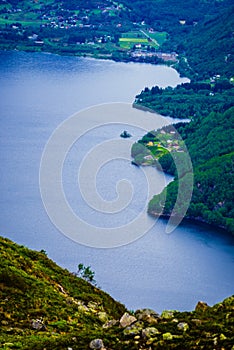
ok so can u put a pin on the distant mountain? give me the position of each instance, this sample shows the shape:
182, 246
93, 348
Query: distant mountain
43, 306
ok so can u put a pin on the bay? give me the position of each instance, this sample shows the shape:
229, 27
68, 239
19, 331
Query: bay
40, 91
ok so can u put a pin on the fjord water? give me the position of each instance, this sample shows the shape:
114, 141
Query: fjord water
38, 92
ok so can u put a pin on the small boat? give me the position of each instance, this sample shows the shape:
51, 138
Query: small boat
125, 134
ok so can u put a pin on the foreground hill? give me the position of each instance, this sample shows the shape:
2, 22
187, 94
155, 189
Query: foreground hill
46, 307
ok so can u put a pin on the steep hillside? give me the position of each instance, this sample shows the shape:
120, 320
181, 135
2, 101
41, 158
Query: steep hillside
209, 48
208, 101
45, 307
210, 145
169, 13
189, 100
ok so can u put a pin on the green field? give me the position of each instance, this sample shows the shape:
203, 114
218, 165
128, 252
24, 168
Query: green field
158, 151
129, 39
160, 37
24, 23
133, 34
132, 38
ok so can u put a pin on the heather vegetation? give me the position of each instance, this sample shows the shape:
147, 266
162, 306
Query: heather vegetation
46, 307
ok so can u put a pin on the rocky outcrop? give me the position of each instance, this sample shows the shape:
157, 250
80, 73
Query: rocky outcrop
182, 330
38, 313
97, 344
126, 320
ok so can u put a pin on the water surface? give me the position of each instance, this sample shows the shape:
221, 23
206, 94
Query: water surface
38, 92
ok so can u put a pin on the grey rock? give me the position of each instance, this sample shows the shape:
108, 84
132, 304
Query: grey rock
201, 306
135, 329
183, 326
126, 320
150, 332
145, 314
110, 324
38, 324
96, 344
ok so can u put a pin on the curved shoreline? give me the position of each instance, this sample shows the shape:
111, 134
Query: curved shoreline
145, 109
134, 105
198, 221
121, 57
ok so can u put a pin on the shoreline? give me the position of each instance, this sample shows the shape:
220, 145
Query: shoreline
192, 220
145, 109
134, 105
120, 56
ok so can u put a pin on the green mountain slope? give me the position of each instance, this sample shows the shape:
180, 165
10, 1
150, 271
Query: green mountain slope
167, 14
33, 287
208, 101
43, 306
189, 100
209, 48
210, 145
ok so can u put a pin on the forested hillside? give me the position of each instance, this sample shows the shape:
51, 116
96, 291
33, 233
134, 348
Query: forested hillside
43, 306
169, 13
210, 145
189, 100
208, 101
209, 48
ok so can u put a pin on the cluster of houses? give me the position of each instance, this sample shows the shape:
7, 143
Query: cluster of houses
86, 18
65, 19
141, 52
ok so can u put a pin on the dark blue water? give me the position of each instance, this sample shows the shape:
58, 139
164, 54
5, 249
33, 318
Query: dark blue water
38, 92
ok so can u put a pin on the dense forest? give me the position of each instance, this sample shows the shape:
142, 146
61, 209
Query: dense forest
168, 13
43, 306
210, 144
208, 102
209, 48
189, 100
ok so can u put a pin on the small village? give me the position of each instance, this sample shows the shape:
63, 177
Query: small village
157, 144
104, 31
